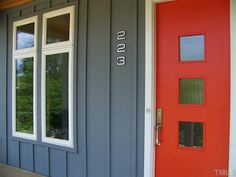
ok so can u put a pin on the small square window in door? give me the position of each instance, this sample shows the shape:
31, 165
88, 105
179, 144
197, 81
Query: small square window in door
191, 134
191, 91
192, 48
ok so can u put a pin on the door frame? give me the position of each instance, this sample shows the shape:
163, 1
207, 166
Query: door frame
150, 90
232, 142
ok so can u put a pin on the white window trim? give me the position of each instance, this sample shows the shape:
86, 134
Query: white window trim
150, 79
14, 132
21, 23
67, 10
57, 48
232, 142
25, 53
70, 142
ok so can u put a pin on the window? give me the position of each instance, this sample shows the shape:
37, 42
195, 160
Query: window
58, 28
24, 79
191, 134
191, 91
57, 77
192, 48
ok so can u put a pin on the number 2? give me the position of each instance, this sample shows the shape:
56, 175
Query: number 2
121, 35
121, 48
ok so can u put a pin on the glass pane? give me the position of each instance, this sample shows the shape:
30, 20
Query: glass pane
25, 36
191, 91
57, 96
24, 95
192, 48
58, 29
191, 134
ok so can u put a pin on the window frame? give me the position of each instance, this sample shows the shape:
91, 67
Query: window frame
14, 132
57, 48
23, 22
67, 10
25, 53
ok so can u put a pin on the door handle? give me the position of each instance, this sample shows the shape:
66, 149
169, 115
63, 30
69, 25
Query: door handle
158, 125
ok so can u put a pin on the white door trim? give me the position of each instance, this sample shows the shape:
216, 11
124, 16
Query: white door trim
232, 143
150, 90
149, 137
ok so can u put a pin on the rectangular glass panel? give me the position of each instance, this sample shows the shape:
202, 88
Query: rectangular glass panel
58, 29
191, 91
191, 134
24, 95
57, 96
192, 48
25, 36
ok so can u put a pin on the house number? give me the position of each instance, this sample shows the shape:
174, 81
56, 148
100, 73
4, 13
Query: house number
121, 48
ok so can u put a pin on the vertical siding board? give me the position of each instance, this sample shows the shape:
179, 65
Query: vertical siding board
26, 156
41, 161
123, 89
57, 2
41, 5
74, 165
98, 55
3, 90
13, 153
57, 163
81, 85
141, 89
134, 95
13, 145
28, 10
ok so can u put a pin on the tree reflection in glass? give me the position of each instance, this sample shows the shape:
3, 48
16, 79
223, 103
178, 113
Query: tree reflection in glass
58, 29
24, 95
57, 96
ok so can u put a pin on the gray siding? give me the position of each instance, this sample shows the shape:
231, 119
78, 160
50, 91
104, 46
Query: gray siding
3, 90
109, 111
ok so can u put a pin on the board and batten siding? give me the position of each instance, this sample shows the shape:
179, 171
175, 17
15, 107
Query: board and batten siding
109, 104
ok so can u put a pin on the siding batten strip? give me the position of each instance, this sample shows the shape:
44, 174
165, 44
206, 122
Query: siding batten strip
108, 126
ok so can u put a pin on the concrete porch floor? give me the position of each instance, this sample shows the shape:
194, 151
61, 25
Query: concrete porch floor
9, 171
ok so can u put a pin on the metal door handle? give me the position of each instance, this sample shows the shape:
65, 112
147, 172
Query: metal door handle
158, 124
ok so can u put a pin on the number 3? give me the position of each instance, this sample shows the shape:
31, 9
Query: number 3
121, 61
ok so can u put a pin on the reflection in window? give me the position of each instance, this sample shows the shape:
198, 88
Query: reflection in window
57, 96
24, 95
58, 29
191, 134
192, 48
25, 36
191, 91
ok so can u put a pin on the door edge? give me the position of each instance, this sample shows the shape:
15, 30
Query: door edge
150, 88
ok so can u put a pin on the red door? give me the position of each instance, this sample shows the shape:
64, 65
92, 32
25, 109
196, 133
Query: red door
193, 86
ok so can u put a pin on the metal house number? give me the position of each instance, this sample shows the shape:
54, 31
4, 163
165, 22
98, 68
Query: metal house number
121, 48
